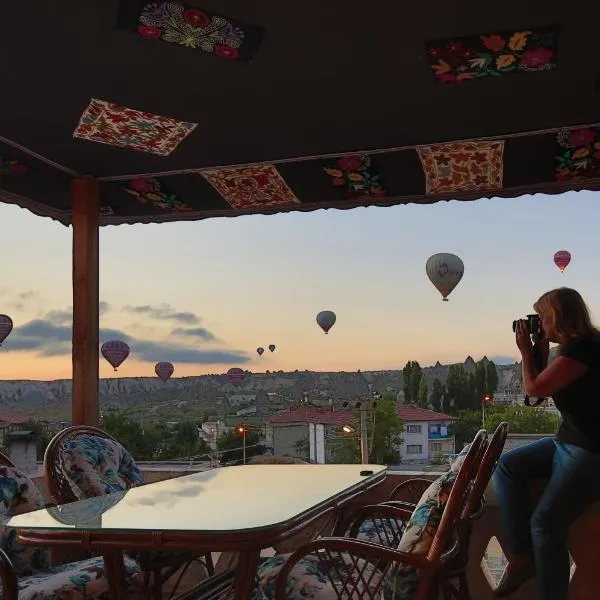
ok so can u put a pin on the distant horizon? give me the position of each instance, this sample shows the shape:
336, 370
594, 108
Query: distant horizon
509, 362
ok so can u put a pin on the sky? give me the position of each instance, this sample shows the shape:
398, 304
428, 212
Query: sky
204, 295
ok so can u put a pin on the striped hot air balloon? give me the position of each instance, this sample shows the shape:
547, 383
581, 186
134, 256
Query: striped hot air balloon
115, 352
236, 375
562, 258
6, 326
164, 370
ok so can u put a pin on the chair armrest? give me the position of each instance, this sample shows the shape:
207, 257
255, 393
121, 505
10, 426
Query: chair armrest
331, 552
8, 577
381, 513
410, 490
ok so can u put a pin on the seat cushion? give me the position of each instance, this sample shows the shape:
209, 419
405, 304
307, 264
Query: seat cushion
401, 582
84, 580
315, 578
95, 466
18, 495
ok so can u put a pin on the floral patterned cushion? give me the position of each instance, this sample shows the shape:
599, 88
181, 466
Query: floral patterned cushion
314, 578
18, 495
379, 531
401, 582
95, 466
84, 580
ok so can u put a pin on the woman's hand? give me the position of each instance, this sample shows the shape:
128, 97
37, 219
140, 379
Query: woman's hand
524, 343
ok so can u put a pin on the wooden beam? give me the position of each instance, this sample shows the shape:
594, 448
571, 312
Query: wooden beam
85, 407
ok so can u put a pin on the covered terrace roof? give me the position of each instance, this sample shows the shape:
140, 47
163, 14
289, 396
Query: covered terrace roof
196, 109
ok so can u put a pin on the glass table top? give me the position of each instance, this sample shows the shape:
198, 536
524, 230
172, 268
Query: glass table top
226, 499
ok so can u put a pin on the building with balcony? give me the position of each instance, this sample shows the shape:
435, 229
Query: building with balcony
303, 432
427, 434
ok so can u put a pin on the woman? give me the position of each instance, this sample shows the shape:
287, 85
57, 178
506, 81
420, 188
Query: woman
571, 460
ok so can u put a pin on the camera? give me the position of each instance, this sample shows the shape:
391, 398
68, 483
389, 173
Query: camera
534, 325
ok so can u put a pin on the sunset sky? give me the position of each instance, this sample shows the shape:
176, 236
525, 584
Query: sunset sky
204, 295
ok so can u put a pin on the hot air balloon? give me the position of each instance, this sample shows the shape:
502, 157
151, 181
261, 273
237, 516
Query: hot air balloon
272, 347
6, 326
326, 320
164, 370
562, 259
236, 375
260, 351
445, 272
115, 352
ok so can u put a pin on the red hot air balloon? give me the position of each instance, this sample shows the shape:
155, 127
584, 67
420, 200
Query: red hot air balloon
6, 326
236, 375
562, 259
115, 352
260, 351
164, 370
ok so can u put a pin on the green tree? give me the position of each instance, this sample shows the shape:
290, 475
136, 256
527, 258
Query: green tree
492, 378
384, 436
422, 395
302, 448
520, 419
183, 442
411, 376
481, 383
142, 441
43, 437
457, 391
230, 446
438, 392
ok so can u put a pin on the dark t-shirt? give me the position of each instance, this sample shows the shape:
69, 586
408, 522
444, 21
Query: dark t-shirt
579, 403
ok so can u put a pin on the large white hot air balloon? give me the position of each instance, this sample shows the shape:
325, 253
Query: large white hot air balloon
445, 272
326, 320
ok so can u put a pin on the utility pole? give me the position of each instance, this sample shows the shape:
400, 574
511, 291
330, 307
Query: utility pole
364, 442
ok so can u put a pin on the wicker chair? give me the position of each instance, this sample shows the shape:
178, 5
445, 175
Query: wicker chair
452, 577
5, 461
25, 571
350, 569
162, 565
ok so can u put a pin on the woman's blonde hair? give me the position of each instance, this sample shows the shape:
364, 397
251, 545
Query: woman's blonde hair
568, 313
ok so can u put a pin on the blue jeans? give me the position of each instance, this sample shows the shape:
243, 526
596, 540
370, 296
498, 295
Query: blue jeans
573, 485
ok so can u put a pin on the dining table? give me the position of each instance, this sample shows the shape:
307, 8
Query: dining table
243, 509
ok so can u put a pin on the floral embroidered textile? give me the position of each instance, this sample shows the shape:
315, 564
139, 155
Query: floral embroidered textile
462, 167
461, 59
187, 26
11, 167
355, 177
578, 155
246, 188
154, 193
109, 123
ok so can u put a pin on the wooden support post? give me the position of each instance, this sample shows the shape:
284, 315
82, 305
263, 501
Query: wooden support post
85, 407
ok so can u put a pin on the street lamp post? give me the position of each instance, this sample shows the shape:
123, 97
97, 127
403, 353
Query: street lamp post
243, 429
485, 399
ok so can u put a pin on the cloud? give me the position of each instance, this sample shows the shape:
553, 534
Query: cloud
64, 317
199, 332
49, 338
60, 317
28, 295
164, 312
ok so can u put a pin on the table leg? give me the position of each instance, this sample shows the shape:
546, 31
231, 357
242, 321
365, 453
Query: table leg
245, 574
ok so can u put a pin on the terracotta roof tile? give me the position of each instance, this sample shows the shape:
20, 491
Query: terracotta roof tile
414, 413
305, 414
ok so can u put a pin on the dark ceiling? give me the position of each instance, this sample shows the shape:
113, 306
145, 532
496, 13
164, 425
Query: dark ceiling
308, 83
